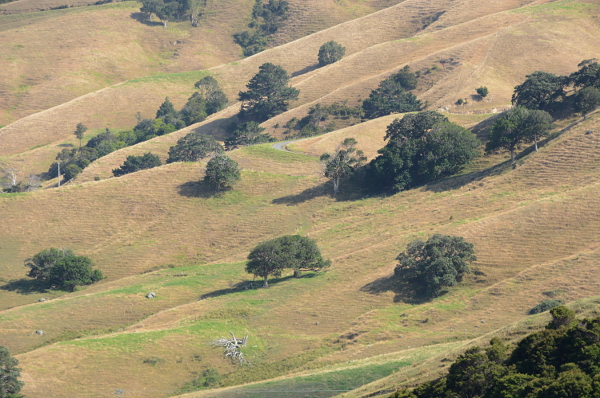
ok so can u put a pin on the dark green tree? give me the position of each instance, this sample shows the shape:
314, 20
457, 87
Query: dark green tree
290, 251
517, 126
421, 148
42, 262
80, 129
268, 94
193, 147
10, 385
438, 263
588, 74
561, 317
165, 10
247, 133
215, 98
222, 172
342, 162
482, 91
166, 110
251, 42
390, 97
137, 163
71, 171
72, 271
194, 111
265, 260
586, 100
471, 373
406, 78
331, 52
541, 90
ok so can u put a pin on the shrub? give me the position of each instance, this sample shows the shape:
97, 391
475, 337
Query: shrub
544, 306
331, 52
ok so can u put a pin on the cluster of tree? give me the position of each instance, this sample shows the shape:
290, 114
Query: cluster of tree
172, 10
222, 172
311, 124
208, 99
561, 361
294, 252
549, 92
62, 268
246, 133
331, 52
193, 147
393, 96
10, 385
342, 162
517, 126
267, 19
136, 163
422, 147
431, 266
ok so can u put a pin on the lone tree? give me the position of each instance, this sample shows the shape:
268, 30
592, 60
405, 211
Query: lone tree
193, 147
342, 162
482, 91
63, 268
331, 52
268, 94
517, 126
222, 172
10, 385
137, 163
290, 251
80, 129
438, 263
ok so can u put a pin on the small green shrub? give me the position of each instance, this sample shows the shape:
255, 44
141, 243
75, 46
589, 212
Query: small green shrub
154, 361
544, 306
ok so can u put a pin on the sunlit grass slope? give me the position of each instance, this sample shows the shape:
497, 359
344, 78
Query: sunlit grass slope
534, 228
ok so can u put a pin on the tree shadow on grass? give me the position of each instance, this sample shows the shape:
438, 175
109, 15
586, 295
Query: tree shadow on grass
143, 18
351, 189
307, 69
26, 286
403, 290
197, 189
253, 284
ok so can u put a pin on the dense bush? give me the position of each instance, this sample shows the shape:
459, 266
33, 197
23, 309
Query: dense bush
10, 385
193, 147
267, 19
331, 52
137, 163
61, 267
222, 172
392, 96
559, 362
545, 305
439, 262
421, 148
247, 133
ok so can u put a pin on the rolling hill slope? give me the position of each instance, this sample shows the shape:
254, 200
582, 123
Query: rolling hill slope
353, 329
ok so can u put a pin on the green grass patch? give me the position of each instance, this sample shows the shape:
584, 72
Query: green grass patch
181, 78
268, 152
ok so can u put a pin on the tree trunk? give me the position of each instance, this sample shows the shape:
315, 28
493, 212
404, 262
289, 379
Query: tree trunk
165, 23
296, 273
535, 140
266, 284
512, 156
336, 185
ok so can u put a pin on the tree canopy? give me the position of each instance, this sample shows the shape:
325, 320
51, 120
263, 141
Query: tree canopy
421, 148
166, 10
268, 94
559, 362
291, 251
586, 100
137, 163
517, 126
342, 162
193, 147
390, 97
80, 129
222, 172
10, 385
62, 268
267, 19
439, 262
540, 90
331, 52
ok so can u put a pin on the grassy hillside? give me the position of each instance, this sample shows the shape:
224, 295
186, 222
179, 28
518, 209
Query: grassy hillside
351, 330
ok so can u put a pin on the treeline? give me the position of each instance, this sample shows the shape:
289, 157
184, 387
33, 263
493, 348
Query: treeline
561, 361
208, 99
